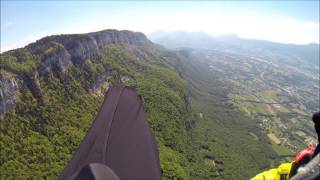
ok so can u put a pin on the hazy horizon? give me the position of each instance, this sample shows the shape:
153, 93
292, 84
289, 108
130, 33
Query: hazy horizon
293, 22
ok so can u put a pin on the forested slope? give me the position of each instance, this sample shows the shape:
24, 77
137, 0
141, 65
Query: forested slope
51, 91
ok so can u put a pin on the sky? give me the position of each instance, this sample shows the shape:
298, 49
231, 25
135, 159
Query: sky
23, 22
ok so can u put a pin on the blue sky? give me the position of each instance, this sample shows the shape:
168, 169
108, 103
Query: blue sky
297, 22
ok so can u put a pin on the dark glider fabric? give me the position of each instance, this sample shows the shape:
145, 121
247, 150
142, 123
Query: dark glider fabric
95, 171
119, 138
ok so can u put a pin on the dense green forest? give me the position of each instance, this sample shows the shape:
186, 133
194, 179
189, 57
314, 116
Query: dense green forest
199, 135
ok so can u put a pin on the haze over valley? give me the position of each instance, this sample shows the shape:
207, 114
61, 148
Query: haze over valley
276, 85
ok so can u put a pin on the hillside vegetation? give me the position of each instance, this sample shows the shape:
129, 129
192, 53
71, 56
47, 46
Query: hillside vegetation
51, 91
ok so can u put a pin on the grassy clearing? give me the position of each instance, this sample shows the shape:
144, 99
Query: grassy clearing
299, 111
254, 136
280, 108
269, 96
274, 138
281, 150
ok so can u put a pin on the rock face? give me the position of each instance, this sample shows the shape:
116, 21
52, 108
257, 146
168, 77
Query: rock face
58, 61
100, 86
56, 54
8, 88
83, 46
74, 49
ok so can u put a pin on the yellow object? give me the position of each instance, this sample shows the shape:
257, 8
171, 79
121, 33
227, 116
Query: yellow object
280, 173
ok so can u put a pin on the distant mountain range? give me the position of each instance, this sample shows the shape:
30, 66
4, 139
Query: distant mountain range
235, 44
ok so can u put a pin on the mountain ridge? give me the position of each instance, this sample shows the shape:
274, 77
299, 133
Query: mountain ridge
54, 87
58, 52
51, 91
99, 38
156, 34
292, 54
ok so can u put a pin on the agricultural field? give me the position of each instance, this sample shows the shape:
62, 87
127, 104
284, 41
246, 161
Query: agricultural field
275, 96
